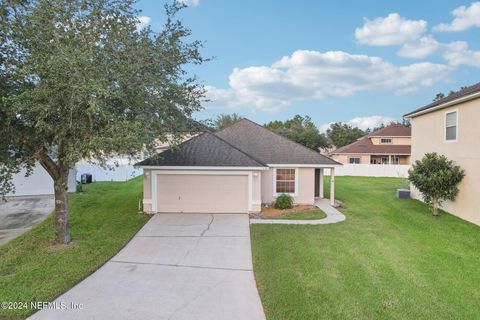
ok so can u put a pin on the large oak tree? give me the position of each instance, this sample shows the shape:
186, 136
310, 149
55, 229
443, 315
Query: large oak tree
80, 79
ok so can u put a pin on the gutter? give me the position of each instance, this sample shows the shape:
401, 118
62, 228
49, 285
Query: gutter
443, 105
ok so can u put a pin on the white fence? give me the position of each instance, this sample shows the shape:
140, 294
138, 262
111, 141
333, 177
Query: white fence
38, 183
120, 173
372, 170
118, 169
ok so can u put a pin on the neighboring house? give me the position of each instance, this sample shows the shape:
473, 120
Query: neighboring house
389, 145
233, 170
451, 126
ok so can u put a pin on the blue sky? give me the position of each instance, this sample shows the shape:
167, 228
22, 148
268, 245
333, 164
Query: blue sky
360, 62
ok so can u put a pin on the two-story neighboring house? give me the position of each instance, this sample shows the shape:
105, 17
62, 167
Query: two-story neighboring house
451, 126
389, 145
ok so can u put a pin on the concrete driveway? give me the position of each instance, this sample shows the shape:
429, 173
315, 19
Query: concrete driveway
179, 266
19, 214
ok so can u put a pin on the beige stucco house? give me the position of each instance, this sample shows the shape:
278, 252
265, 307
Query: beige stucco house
389, 145
451, 126
234, 170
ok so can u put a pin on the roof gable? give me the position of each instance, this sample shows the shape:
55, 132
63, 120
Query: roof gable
206, 150
269, 147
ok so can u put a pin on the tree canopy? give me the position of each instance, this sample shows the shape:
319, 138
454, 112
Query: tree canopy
79, 79
300, 129
341, 134
224, 120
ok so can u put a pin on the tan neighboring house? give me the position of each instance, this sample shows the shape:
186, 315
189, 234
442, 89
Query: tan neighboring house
451, 126
389, 145
234, 170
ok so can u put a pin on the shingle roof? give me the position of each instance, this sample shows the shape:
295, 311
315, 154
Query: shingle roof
394, 130
203, 150
456, 95
269, 147
365, 145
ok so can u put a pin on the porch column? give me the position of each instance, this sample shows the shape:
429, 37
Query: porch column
332, 186
320, 188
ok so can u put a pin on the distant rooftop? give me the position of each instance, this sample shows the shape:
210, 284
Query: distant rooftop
395, 130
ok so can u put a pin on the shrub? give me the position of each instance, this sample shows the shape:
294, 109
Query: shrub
436, 178
283, 201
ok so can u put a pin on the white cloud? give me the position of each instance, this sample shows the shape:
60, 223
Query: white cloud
143, 21
421, 48
465, 18
363, 123
370, 122
458, 53
190, 3
390, 30
314, 75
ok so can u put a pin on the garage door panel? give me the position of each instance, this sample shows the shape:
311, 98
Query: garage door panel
202, 193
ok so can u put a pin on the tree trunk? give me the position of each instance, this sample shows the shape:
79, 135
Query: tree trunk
435, 207
62, 229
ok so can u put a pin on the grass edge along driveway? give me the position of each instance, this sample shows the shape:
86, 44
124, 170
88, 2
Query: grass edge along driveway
102, 220
389, 260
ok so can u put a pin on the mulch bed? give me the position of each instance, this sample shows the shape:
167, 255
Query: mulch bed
270, 211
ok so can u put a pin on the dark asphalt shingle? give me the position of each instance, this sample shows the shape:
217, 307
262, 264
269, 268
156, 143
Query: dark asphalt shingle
203, 150
269, 147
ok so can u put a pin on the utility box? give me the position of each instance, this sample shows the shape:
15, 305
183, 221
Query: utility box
403, 194
86, 178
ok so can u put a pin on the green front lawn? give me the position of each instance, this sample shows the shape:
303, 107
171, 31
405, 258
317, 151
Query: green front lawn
389, 260
301, 215
103, 220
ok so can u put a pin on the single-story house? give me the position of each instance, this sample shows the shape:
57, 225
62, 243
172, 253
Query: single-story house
450, 126
389, 145
234, 170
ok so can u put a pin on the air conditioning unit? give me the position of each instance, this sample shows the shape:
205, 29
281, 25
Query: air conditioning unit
86, 178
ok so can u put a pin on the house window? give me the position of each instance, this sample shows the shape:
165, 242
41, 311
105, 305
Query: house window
285, 181
354, 160
451, 126
386, 140
373, 161
384, 160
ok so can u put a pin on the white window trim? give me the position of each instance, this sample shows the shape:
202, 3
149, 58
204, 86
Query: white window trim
156, 173
274, 185
445, 127
359, 160
391, 140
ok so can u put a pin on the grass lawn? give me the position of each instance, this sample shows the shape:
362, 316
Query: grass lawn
301, 215
102, 220
389, 260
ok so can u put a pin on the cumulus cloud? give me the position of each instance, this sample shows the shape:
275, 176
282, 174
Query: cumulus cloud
314, 75
143, 21
464, 19
370, 122
390, 30
363, 123
458, 53
421, 48
190, 3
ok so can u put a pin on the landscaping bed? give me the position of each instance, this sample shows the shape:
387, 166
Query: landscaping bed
103, 219
298, 212
389, 260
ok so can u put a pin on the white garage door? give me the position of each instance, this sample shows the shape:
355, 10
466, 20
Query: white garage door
202, 193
